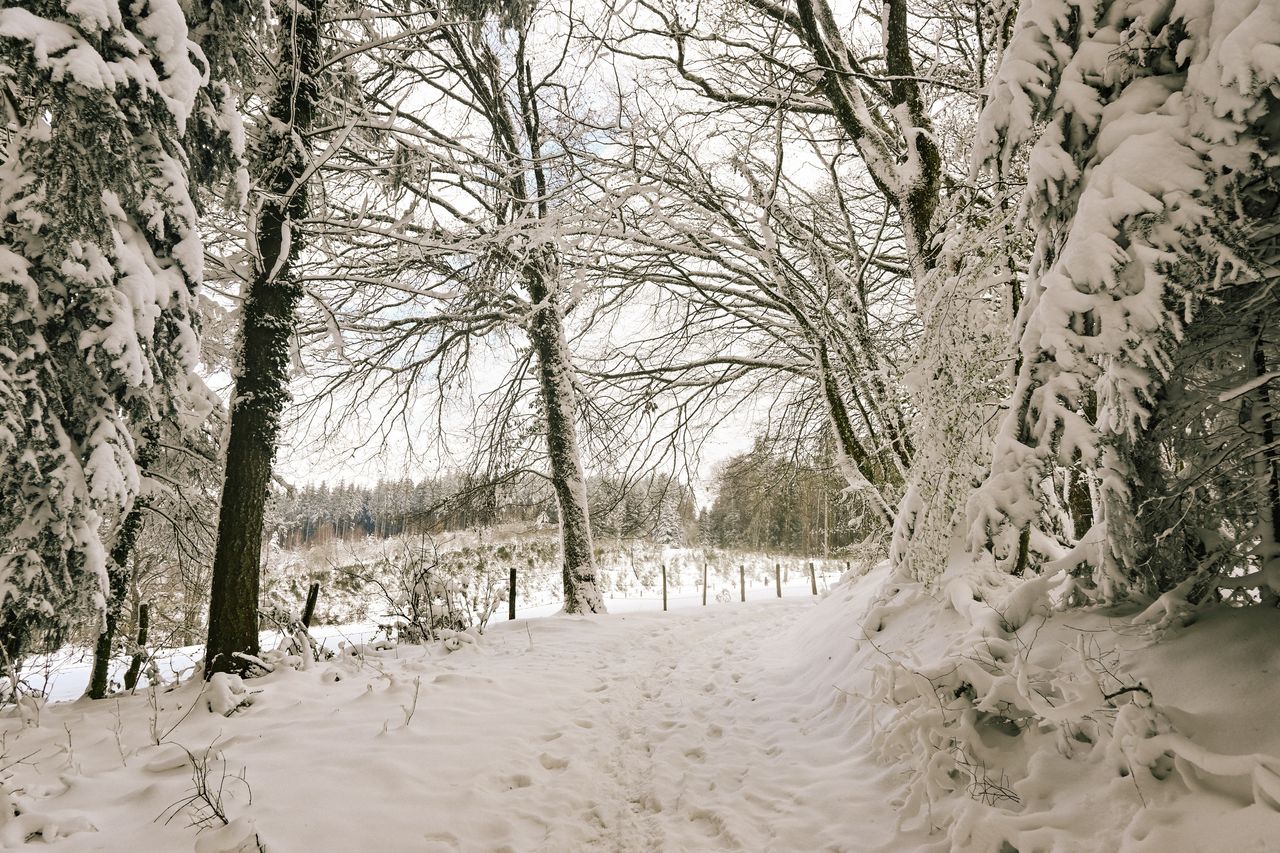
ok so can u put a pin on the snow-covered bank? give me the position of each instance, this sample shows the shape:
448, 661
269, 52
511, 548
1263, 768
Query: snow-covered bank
1029, 729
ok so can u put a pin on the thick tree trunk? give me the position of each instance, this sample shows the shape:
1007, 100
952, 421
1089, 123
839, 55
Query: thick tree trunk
261, 389
546, 332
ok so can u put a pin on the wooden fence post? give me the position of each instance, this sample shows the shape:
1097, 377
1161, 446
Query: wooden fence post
309, 610
511, 595
742, 582
813, 579
704, 584
664, 587
777, 578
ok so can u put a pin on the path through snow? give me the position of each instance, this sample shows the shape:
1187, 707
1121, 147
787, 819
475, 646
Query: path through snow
635, 732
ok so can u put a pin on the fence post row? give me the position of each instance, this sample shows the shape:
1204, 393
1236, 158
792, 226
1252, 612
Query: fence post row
511, 595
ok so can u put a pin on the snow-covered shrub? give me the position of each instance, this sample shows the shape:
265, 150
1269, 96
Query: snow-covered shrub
426, 591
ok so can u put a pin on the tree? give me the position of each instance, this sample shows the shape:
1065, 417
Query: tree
763, 280
99, 261
267, 312
1152, 167
897, 94
479, 249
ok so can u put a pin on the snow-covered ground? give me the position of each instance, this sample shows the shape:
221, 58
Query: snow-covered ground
64, 675
788, 724
634, 731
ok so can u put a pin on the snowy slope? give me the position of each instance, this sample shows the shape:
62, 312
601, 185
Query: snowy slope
1033, 730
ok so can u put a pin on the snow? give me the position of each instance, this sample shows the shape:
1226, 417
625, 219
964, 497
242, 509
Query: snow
64, 676
639, 731
780, 724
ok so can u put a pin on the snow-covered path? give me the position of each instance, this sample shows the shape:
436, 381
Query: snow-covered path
689, 733
632, 732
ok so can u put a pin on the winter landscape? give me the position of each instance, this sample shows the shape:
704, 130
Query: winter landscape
640, 425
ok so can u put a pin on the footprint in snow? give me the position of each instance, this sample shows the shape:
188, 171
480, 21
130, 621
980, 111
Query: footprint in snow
456, 678
552, 762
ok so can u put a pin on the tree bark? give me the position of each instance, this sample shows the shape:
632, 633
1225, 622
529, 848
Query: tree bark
555, 376
118, 588
261, 389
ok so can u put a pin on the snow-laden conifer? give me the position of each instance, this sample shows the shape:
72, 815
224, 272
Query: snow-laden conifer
1149, 131
99, 258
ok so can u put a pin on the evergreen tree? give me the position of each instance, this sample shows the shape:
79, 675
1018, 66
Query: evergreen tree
1149, 132
99, 260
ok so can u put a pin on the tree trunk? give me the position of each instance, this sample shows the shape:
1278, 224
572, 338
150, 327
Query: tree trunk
546, 332
261, 389
1268, 467
118, 583
849, 450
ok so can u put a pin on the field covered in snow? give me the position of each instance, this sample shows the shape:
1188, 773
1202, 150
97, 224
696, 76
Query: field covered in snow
794, 724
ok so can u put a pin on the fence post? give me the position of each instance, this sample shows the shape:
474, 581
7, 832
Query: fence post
813, 579
777, 578
704, 584
309, 610
664, 587
511, 595
742, 581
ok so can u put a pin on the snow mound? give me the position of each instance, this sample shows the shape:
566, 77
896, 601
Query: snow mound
1033, 729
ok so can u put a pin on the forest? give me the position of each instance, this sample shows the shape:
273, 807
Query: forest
980, 295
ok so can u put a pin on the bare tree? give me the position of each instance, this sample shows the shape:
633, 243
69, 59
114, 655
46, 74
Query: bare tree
473, 254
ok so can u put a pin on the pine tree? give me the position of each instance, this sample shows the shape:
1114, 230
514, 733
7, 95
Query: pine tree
99, 260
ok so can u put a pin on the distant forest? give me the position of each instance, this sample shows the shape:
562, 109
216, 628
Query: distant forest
763, 501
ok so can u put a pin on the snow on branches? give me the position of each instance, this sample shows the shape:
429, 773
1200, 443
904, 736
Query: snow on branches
99, 258
1142, 124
